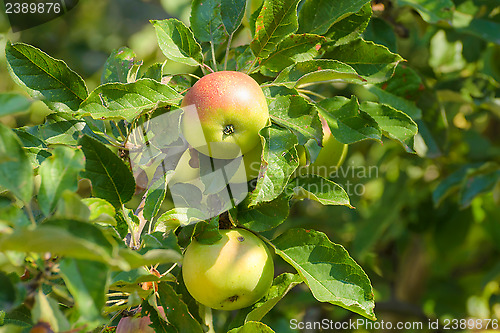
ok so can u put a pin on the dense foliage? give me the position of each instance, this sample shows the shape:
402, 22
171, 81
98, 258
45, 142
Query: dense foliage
406, 230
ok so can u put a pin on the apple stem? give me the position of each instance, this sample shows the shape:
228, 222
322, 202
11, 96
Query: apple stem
208, 318
213, 55
227, 50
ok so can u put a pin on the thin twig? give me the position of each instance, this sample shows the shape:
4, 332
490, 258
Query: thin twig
227, 50
309, 92
213, 55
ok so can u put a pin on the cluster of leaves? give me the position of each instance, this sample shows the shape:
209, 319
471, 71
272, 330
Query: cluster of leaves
63, 258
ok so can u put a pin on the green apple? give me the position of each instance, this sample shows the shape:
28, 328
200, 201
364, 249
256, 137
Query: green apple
223, 114
187, 169
249, 166
330, 157
233, 273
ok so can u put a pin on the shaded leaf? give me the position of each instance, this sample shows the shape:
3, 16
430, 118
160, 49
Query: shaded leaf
111, 179
12, 103
232, 12
87, 281
350, 27
373, 62
80, 240
16, 173
58, 173
46, 78
176, 311
154, 72
206, 21
331, 274
277, 19
395, 124
47, 310
317, 16
282, 284
396, 102
297, 114
431, 11
265, 215
347, 122
119, 65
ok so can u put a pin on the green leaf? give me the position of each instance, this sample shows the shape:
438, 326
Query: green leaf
373, 62
484, 29
451, 183
318, 189
279, 162
232, 12
253, 19
154, 72
65, 132
292, 49
265, 215
128, 100
12, 103
480, 181
395, 124
350, 27
316, 71
347, 122
58, 173
70, 206
154, 197
431, 11
176, 217
177, 42
381, 32
151, 257
331, 274
120, 66
101, 211
281, 286
446, 56
277, 19
405, 83
252, 327
87, 281
45, 78
297, 114
396, 102
206, 21
317, 16
7, 293
47, 310
111, 178
80, 240
16, 173
176, 311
